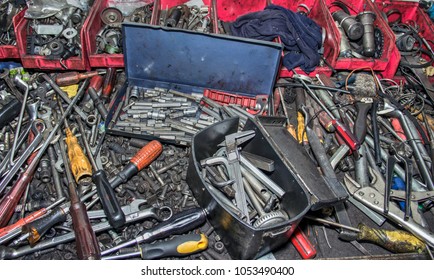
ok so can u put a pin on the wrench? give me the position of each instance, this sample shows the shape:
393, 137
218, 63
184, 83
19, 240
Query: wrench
9, 253
38, 127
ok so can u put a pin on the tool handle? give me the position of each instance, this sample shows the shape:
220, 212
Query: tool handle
147, 154
80, 165
108, 83
21, 222
86, 242
179, 246
302, 244
396, 241
143, 158
179, 223
9, 112
71, 78
110, 204
360, 124
95, 83
39, 227
346, 135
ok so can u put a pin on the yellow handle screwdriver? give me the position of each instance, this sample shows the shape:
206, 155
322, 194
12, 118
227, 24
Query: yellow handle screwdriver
396, 241
179, 246
80, 165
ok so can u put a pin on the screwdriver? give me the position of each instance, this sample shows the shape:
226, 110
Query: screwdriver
179, 223
179, 246
85, 238
302, 244
80, 165
396, 241
29, 218
341, 129
105, 188
72, 78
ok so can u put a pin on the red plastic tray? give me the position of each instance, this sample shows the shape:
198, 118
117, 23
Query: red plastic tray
92, 28
224, 98
380, 64
42, 62
8, 51
230, 10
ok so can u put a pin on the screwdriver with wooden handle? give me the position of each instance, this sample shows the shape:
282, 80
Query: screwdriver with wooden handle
180, 246
105, 188
85, 238
396, 241
80, 165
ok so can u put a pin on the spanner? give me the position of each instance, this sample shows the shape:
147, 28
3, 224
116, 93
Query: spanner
10, 253
37, 128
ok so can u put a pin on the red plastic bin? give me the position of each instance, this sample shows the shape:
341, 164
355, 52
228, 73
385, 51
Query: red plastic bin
160, 5
42, 62
8, 51
230, 10
318, 13
389, 49
94, 26
410, 14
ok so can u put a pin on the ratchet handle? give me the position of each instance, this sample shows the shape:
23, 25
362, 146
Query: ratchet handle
110, 204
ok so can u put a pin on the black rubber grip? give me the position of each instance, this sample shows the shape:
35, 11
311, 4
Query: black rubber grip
110, 204
179, 246
9, 112
360, 125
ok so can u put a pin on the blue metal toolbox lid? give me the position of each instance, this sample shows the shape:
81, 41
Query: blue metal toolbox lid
189, 61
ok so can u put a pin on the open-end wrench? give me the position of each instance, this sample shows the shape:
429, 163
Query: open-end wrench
132, 208
10, 253
37, 128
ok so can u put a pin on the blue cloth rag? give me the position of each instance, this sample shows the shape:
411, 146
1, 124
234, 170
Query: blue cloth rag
300, 35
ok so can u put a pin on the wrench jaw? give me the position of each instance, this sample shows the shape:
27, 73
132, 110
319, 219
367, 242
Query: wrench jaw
372, 197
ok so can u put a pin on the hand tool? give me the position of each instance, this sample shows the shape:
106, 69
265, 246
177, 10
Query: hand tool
98, 103
72, 78
37, 128
231, 142
64, 96
302, 244
341, 129
9, 202
431, 140
56, 178
5, 164
396, 241
85, 238
9, 112
364, 93
29, 218
372, 197
105, 188
80, 165
414, 140
179, 223
109, 81
179, 246
23, 84
9, 253
300, 100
